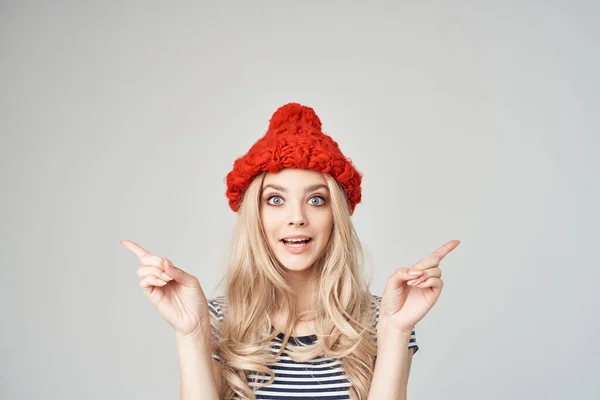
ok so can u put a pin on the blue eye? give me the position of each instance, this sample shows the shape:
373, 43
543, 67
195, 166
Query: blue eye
275, 197
277, 200
317, 204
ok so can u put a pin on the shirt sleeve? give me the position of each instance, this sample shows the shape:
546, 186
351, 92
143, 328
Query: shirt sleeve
215, 310
412, 344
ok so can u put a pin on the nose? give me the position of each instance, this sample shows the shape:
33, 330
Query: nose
298, 217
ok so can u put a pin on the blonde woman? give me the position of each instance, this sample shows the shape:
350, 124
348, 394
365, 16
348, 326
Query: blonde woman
297, 319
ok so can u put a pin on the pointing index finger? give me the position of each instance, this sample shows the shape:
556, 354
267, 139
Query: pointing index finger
445, 249
135, 248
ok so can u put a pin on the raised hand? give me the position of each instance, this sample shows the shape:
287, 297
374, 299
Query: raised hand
410, 293
175, 294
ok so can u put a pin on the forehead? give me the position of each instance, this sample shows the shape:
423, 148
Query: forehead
292, 177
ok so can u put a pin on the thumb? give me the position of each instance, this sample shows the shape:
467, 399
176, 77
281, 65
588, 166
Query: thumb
179, 275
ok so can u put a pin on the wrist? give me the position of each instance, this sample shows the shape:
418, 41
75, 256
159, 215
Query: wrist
388, 329
197, 337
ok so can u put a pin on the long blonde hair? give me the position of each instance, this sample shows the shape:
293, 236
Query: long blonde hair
345, 312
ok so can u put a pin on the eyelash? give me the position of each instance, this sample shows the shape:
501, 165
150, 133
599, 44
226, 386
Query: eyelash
275, 195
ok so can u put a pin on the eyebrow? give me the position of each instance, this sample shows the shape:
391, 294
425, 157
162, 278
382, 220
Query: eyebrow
284, 190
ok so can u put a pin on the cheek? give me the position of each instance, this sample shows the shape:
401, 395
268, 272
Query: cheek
326, 226
270, 224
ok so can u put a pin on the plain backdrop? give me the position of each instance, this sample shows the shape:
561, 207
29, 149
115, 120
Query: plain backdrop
470, 120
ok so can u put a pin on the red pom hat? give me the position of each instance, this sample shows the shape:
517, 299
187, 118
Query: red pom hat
294, 140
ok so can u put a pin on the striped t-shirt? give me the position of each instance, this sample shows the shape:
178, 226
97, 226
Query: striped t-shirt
321, 378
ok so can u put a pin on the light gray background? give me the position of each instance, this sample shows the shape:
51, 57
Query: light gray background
471, 120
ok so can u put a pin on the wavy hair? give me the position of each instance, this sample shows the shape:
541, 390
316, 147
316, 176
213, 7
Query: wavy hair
342, 303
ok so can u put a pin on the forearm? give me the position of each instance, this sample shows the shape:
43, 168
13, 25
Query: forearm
197, 380
390, 378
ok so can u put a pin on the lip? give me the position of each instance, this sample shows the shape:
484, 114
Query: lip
296, 236
296, 250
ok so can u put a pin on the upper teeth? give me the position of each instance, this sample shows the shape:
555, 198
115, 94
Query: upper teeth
296, 239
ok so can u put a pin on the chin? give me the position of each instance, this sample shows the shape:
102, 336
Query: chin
296, 265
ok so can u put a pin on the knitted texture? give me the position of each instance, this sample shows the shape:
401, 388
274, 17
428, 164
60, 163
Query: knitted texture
294, 139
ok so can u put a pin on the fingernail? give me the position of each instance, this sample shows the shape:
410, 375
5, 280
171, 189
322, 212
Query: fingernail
161, 281
415, 272
410, 283
166, 276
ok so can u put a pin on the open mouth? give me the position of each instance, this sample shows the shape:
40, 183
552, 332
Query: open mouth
299, 242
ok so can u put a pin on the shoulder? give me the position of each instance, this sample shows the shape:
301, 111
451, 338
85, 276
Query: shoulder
217, 308
376, 301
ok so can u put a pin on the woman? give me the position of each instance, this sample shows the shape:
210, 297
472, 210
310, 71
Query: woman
297, 319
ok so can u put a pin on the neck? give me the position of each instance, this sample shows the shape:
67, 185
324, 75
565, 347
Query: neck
303, 284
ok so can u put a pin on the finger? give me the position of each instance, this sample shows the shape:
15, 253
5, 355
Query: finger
151, 281
432, 283
428, 273
434, 259
157, 272
400, 276
445, 249
152, 260
134, 248
180, 275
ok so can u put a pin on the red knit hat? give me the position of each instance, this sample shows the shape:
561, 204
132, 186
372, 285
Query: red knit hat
294, 140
